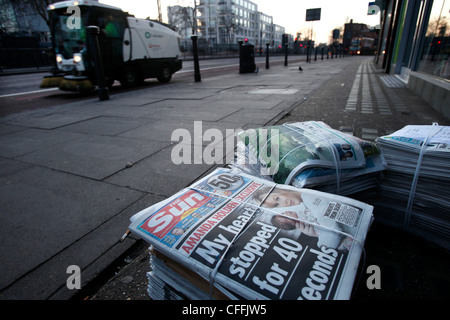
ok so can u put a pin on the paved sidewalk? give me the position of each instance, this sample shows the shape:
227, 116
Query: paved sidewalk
368, 103
71, 176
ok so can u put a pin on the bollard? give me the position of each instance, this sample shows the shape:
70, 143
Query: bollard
307, 53
323, 48
197, 76
285, 54
241, 60
93, 31
315, 55
267, 55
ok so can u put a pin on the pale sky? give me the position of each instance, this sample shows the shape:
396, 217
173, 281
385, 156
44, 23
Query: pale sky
286, 13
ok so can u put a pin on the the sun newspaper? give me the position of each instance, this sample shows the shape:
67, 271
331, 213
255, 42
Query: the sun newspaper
258, 239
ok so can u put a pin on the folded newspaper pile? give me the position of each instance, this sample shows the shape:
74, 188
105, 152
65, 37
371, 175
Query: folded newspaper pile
310, 155
415, 194
234, 236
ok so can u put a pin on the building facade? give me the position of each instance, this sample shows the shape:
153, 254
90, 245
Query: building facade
415, 47
278, 32
225, 22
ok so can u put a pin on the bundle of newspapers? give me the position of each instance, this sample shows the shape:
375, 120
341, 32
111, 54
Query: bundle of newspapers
310, 155
415, 194
234, 236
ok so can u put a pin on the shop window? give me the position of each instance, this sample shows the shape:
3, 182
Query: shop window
435, 57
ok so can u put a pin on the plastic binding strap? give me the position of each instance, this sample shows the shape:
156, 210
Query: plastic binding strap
220, 259
412, 191
333, 150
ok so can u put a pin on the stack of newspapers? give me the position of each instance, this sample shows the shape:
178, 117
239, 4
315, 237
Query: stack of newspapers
310, 155
235, 236
415, 194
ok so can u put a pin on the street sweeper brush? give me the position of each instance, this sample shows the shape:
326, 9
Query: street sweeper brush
76, 84
51, 81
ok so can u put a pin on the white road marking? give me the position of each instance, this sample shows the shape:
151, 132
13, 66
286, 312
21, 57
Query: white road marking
28, 92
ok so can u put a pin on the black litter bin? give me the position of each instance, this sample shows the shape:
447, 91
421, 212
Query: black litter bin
247, 58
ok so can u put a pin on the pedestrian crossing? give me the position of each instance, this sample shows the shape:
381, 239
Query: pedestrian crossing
368, 97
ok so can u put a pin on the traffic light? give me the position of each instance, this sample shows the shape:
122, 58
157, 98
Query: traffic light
284, 39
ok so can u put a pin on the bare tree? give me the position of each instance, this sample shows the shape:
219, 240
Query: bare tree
187, 14
38, 6
182, 19
437, 27
227, 20
7, 23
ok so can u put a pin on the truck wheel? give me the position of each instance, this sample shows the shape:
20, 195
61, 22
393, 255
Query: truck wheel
130, 78
165, 75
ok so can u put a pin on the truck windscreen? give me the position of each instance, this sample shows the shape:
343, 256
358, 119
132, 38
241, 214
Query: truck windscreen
68, 31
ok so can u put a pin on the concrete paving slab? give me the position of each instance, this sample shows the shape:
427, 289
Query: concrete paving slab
271, 91
99, 247
226, 100
93, 156
22, 142
205, 113
45, 211
187, 129
158, 174
128, 100
125, 111
157, 130
254, 118
9, 166
50, 120
5, 129
180, 93
106, 125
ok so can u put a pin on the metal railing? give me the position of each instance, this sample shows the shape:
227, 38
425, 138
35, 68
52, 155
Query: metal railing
30, 58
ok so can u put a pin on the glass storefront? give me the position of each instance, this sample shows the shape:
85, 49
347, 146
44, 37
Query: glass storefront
435, 56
